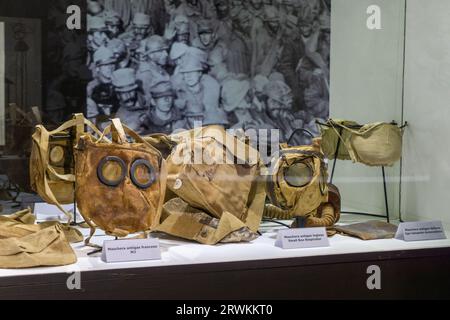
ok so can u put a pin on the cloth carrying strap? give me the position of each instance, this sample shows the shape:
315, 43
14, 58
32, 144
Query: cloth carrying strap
42, 139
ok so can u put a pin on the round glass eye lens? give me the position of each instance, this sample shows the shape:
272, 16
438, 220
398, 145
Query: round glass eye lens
142, 174
298, 175
57, 154
111, 171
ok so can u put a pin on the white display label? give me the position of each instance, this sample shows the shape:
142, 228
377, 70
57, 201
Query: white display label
44, 211
131, 250
302, 238
420, 231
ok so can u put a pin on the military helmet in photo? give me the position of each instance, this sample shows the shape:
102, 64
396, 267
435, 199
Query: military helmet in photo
205, 26
124, 80
271, 13
155, 43
95, 24
278, 91
191, 63
112, 18
233, 92
177, 50
104, 56
117, 46
217, 56
162, 89
94, 7
306, 16
141, 19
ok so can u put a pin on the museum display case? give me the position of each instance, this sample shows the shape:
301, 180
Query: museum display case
280, 149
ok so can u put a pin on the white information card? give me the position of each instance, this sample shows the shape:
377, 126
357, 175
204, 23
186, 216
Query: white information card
302, 238
420, 231
131, 250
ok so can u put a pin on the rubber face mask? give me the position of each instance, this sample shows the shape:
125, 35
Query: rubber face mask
120, 185
298, 183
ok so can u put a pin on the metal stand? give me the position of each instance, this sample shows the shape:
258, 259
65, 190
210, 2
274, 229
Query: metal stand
300, 222
387, 216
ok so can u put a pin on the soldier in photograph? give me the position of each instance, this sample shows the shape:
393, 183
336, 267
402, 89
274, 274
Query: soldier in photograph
200, 93
132, 109
153, 70
224, 22
237, 102
196, 10
180, 29
102, 100
94, 9
313, 61
97, 36
114, 24
120, 51
279, 109
206, 37
177, 51
141, 29
256, 10
240, 45
162, 116
218, 66
237, 63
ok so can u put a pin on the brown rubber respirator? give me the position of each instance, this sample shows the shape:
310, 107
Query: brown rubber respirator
297, 188
120, 185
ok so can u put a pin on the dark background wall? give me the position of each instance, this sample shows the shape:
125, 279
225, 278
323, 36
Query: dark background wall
54, 39
62, 91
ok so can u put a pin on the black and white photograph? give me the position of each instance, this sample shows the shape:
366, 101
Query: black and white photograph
2, 83
164, 65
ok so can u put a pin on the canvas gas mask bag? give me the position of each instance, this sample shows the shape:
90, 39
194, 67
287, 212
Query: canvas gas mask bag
297, 187
24, 244
375, 144
219, 193
370, 230
120, 185
52, 161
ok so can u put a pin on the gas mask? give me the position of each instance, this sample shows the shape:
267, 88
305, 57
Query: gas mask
120, 185
297, 188
52, 161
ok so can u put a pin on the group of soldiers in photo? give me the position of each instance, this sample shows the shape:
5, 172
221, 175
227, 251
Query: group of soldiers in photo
165, 65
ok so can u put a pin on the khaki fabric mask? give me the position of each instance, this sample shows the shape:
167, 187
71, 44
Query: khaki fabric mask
52, 162
375, 144
218, 174
23, 223
120, 185
24, 244
297, 187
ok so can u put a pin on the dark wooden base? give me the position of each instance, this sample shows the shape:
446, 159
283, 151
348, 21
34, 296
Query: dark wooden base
414, 274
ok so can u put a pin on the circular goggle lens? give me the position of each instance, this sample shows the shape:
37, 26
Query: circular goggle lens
298, 175
142, 173
111, 171
57, 154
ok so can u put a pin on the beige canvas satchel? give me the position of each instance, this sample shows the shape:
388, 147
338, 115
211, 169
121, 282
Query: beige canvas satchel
24, 244
218, 174
375, 144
